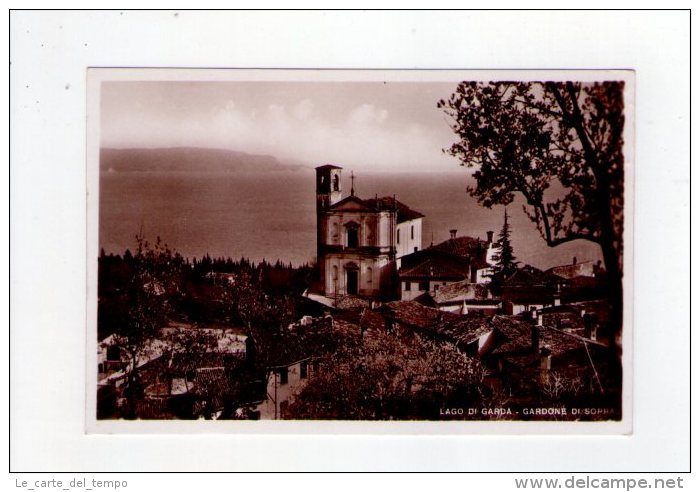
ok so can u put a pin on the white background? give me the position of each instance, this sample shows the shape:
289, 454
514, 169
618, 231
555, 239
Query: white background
49, 55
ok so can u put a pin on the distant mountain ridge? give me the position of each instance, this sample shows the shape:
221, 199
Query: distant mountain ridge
189, 159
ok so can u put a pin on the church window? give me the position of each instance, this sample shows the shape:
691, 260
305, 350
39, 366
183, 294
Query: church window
353, 239
411, 232
424, 285
407, 286
336, 183
369, 275
398, 236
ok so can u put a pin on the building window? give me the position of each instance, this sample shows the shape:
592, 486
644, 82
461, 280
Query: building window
407, 286
369, 275
336, 182
424, 285
353, 239
398, 236
284, 375
303, 370
411, 232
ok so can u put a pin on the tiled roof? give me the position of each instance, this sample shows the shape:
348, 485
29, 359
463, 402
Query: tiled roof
515, 334
415, 314
152, 409
317, 337
371, 320
517, 340
182, 363
530, 285
468, 328
434, 322
157, 389
585, 268
461, 291
350, 302
464, 246
404, 212
529, 275
562, 319
437, 266
601, 310
216, 384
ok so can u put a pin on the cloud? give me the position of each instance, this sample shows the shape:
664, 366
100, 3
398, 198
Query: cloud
359, 135
367, 114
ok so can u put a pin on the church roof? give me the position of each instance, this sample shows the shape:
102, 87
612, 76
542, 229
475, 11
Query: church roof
403, 212
329, 166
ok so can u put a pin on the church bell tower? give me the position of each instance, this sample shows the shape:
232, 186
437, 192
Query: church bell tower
327, 186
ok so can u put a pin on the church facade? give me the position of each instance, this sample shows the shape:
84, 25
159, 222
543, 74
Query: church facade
360, 242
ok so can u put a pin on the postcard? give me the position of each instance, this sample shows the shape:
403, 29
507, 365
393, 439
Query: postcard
361, 251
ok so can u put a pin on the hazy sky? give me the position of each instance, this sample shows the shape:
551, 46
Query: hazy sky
359, 125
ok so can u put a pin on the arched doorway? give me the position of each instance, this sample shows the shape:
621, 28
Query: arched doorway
352, 280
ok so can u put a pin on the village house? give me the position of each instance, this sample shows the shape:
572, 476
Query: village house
171, 381
462, 298
470, 334
302, 350
534, 357
577, 269
530, 288
481, 254
463, 260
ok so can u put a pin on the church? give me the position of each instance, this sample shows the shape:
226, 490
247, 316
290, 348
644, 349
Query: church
360, 242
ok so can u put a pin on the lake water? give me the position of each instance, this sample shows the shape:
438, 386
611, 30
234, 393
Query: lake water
272, 215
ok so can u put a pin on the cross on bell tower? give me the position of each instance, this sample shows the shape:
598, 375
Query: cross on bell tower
352, 183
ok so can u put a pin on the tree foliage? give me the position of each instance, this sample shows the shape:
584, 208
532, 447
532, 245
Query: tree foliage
148, 303
559, 144
386, 378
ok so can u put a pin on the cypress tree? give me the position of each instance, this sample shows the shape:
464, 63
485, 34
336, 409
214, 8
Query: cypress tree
506, 263
506, 258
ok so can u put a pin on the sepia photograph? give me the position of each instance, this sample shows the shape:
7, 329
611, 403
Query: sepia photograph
357, 246
349, 241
